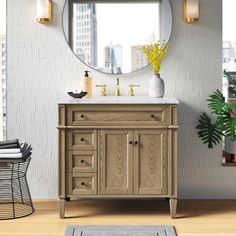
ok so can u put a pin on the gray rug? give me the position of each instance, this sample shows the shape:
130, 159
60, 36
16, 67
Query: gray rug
120, 230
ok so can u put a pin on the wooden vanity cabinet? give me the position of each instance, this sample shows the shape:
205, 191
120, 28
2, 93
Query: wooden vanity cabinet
117, 151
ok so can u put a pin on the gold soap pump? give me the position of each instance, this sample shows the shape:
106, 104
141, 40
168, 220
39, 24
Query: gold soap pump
117, 92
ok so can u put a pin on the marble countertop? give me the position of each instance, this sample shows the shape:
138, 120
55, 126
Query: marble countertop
122, 100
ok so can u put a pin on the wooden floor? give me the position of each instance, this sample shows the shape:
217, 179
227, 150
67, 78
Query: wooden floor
195, 218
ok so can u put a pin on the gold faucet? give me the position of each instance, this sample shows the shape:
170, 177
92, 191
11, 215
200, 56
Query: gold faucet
103, 89
131, 90
117, 92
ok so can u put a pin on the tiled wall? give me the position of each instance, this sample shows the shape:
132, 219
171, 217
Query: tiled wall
41, 69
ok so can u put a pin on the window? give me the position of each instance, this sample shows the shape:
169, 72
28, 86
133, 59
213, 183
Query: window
3, 70
229, 64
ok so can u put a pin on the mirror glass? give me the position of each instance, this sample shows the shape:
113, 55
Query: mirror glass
109, 36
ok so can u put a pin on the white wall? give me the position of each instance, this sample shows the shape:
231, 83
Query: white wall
41, 69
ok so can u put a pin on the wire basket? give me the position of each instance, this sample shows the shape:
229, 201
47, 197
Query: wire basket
15, 199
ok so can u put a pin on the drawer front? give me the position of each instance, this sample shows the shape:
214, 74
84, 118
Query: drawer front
82, 184
82, 161
82, 139
77, 117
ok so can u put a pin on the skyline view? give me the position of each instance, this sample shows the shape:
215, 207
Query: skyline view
94, 33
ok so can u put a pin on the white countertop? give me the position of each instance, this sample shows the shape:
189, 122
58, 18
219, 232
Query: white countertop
122, 100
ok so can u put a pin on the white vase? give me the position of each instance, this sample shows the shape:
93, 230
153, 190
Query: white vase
156, 86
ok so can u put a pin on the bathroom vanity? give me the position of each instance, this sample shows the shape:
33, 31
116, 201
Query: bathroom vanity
117, 147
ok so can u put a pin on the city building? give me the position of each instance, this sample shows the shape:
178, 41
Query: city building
227, 51
113, 58
138, 59
85, 33
2, 87
229, 55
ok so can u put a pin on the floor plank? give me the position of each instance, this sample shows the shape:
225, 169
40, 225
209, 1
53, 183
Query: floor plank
195, 217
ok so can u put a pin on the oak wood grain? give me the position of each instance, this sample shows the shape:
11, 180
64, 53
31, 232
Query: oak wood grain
116, 162
94, 149
82, 183
195, 217
150, 162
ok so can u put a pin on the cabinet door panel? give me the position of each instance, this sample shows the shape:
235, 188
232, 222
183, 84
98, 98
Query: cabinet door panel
150, 162
116, 162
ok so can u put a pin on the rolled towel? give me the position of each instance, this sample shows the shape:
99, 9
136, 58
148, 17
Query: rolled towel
27, 155
15, 158
16, 145
27, 150
9, 150
11, 155
25, 147
9, 142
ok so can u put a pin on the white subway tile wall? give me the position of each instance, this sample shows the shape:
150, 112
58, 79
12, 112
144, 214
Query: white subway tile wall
41, 69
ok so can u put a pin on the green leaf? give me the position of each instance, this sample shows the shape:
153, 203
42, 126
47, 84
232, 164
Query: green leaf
209, 132
217, 104
229, 126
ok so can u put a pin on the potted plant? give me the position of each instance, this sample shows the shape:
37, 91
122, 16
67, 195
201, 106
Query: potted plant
221, 123
155, 54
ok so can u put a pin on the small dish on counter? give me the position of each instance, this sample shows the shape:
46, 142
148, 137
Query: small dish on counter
77, 95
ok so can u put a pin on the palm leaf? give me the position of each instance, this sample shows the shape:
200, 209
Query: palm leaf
229, 125
217, 104
209, 132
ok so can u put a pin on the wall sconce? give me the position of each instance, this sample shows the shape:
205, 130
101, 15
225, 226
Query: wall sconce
44, 11
191, 11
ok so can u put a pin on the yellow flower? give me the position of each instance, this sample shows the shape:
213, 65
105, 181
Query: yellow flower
155, 53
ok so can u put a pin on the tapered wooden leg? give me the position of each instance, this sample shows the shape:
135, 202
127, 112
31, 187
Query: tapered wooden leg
173, 207
62, 208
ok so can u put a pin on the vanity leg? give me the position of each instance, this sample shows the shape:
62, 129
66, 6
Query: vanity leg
173, 207
62, 208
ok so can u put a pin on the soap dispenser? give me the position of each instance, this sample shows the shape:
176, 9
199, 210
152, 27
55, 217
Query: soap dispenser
87, 84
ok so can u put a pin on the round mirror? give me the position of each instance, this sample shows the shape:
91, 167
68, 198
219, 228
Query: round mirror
109, 36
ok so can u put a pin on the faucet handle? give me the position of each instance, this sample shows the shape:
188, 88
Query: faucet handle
103, 89
131, 90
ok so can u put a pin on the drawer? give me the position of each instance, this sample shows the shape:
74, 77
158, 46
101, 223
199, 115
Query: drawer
77, 117
82, 161
82, 184
82, 139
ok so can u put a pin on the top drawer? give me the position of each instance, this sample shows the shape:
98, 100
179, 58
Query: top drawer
77, 116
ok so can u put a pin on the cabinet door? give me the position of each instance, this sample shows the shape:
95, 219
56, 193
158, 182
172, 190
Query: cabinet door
116, 162
150, 162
